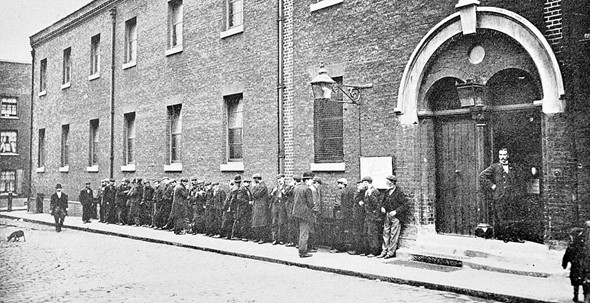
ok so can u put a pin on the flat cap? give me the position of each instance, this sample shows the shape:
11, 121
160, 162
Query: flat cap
297, 178
280, 176
317, 180
184, 179
215, 183
256, 176
342, 180
307, 175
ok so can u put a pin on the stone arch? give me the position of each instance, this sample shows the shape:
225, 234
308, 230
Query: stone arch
491, 18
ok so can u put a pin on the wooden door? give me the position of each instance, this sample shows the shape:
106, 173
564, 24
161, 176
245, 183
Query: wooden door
456, 175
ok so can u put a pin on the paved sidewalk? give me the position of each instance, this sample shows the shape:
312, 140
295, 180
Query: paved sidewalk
481, 283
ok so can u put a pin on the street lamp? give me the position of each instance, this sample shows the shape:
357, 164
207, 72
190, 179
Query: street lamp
470, 93
323, 86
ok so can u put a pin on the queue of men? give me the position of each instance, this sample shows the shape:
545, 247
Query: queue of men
368, 220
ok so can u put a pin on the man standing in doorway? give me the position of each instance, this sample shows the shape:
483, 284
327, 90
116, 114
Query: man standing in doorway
59, 207
86, 198
394, 207
508, 184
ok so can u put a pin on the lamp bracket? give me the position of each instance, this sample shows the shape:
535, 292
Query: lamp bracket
353, 92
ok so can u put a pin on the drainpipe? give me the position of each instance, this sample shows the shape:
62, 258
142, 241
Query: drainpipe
31, 129
112, 143
281, 89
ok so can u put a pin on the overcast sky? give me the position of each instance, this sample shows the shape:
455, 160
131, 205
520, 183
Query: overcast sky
19, 19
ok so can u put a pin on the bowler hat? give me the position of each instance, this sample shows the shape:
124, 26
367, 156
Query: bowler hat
307, 175
238, 178
57, 186
184, 179
367, 178
391, 178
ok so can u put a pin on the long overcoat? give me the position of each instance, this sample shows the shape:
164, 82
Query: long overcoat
260, 210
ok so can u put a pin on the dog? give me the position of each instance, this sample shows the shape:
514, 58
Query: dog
17, 235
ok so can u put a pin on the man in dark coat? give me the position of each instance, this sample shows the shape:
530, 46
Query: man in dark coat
278, 210
209, 210
134, 197
86, 198
147, 201
100, 196
343, 204
198, 200
180, 207
121, 201
358, 220
59, 207
372, 204
508, 184
303, 211
244, 213
394, 206
108, 200
292, 232
230, 208
219, 197
260, 210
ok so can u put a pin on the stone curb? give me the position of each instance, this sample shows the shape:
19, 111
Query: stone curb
417, 283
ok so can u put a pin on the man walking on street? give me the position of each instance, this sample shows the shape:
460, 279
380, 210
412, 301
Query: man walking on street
86, 198
59, 207
302, 210
394, 207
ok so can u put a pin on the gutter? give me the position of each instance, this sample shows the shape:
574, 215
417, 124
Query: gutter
112, 139
281, 90
30, 191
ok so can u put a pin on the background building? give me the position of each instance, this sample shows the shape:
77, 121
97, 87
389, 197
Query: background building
15, 128
154, 88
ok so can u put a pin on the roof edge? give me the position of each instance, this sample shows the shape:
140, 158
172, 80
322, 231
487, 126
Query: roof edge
66, 23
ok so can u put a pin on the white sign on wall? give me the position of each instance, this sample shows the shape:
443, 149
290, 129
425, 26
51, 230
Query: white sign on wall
377, 168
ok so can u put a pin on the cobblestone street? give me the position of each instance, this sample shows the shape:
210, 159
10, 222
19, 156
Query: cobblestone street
75, 266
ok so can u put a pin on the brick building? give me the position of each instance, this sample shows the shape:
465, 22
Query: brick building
167, 88
15, 128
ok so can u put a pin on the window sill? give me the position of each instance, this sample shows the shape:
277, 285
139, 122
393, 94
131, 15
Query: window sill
323, 4
9, 117
8, 154
41, 169
129, 64
94, 76
43, 93
232, 31
64, 169
92, 169
175, 50
232, 166
66, 85
337, 167
128, 168
174, 167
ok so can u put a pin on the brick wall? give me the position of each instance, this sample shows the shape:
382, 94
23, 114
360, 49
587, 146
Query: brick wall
198, 77
15, 82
